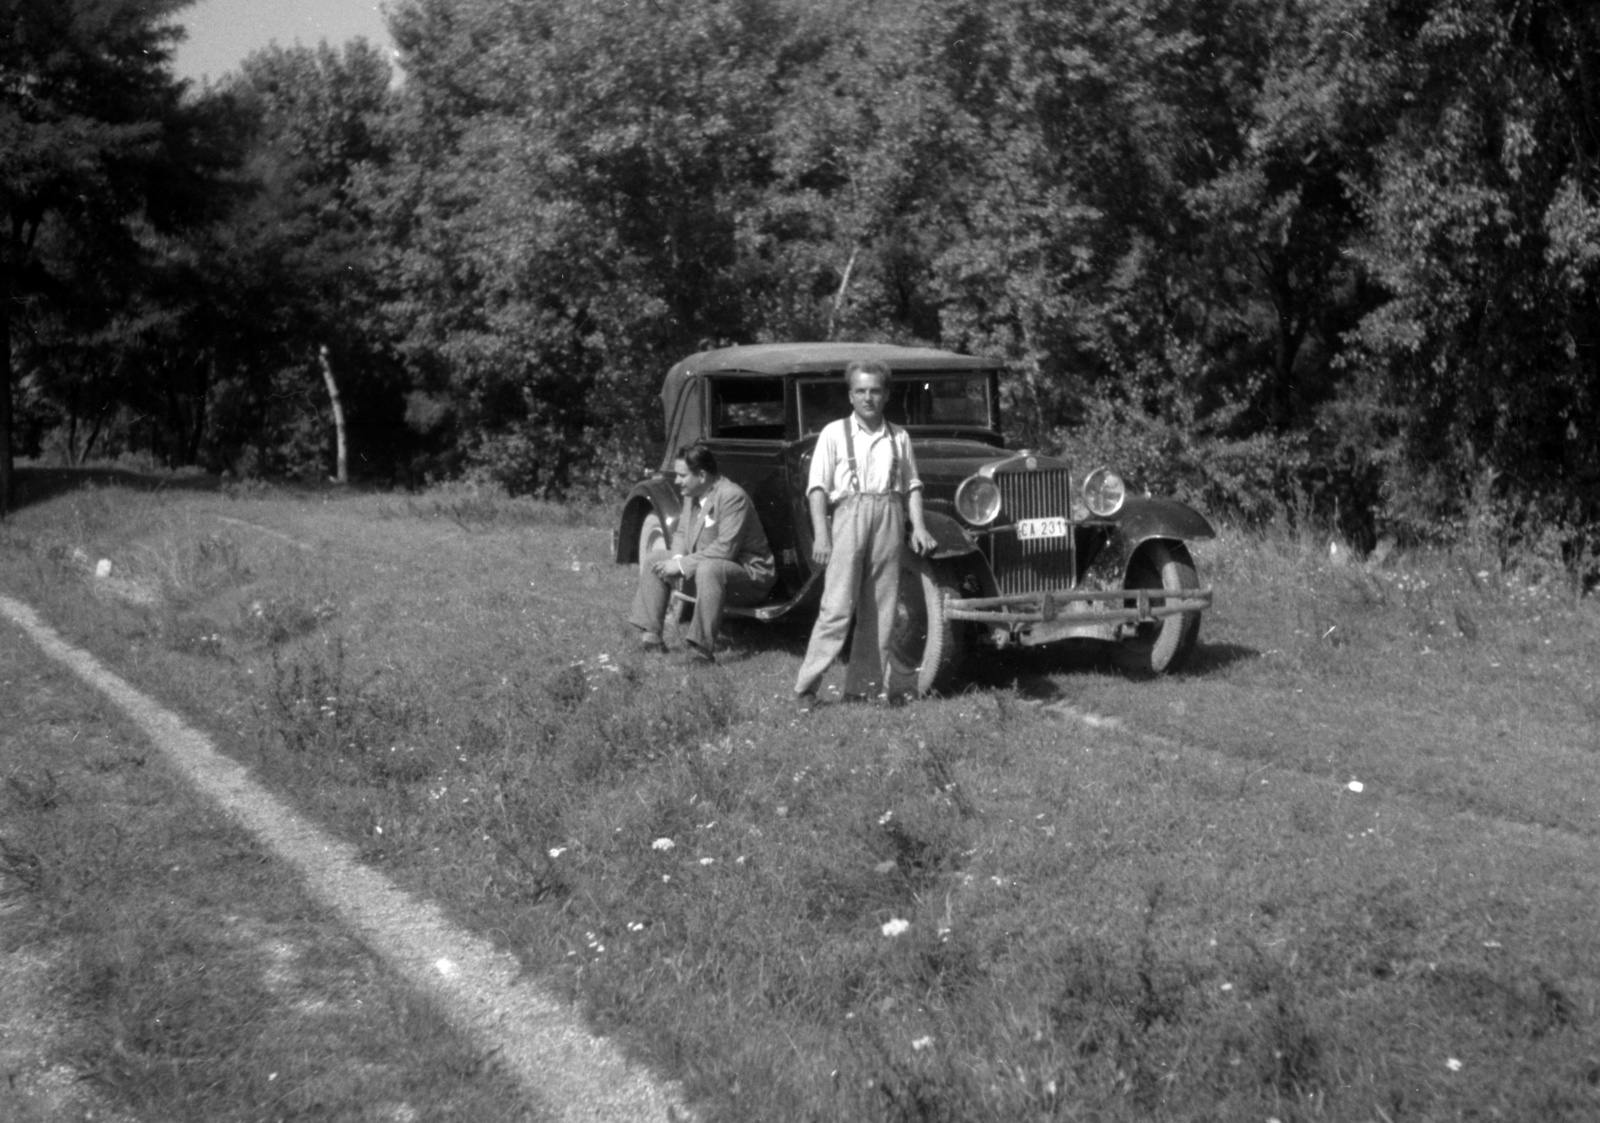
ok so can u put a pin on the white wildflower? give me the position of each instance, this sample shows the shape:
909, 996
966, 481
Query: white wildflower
897, 927
662, 844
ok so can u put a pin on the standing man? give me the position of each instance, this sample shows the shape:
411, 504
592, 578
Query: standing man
863, 468
719, 554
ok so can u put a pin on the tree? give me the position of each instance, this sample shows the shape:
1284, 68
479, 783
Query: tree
1483, 228
564, 215
293, 288
87, 107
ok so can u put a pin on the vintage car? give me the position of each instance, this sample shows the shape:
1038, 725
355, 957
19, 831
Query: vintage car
1022, 557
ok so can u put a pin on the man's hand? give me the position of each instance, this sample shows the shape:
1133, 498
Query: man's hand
821, 551
666, 569
923, 543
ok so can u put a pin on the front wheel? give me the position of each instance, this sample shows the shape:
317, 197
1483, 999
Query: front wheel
1161, 647
927, 646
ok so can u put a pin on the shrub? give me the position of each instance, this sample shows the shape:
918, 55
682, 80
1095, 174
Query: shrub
1248, 480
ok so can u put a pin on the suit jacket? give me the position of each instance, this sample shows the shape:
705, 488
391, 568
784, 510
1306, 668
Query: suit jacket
724, 525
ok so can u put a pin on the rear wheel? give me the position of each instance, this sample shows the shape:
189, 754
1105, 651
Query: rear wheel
1161, 647
927, 646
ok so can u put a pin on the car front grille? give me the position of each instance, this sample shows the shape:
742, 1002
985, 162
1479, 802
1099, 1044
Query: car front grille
1043, 563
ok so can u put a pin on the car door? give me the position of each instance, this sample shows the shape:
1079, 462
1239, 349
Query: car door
747, 431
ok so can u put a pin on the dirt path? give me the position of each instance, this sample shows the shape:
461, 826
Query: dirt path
538, 1040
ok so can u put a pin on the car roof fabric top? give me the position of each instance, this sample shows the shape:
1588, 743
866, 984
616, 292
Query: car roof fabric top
682, 393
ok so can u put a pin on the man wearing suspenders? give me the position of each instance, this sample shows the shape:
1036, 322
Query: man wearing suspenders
864, 469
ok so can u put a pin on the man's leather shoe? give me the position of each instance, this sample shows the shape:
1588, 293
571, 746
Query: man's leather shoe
698, 657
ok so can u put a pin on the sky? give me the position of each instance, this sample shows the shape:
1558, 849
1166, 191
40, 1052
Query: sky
223, 32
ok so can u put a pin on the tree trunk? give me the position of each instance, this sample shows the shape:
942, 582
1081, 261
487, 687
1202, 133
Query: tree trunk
844, 287
94, 434
202, 392
343, 475
5, 389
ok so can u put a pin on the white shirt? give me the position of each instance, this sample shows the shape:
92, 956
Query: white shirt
876, 456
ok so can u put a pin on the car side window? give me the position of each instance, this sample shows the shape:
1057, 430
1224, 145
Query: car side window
821, 402
747, 408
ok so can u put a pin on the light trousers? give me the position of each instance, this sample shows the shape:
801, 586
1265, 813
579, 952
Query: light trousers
717, 583
862, 582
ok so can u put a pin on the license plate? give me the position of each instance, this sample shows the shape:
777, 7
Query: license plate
1030, 529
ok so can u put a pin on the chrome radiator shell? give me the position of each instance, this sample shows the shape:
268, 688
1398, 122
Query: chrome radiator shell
1041, 564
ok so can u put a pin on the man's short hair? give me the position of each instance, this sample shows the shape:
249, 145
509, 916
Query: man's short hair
698, 458
867, 366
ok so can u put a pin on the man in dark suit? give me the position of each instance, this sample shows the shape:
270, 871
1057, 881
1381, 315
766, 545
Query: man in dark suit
719, 555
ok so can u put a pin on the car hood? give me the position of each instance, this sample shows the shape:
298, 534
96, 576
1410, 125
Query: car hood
944, 462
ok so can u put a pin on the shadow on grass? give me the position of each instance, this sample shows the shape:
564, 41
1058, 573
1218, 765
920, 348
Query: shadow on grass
38, 485
1026, 670
749, 637
1032, 672
1209, 657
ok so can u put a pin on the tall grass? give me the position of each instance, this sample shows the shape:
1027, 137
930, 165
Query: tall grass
1343, 870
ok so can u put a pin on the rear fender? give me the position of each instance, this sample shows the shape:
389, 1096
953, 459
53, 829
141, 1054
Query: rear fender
655, 495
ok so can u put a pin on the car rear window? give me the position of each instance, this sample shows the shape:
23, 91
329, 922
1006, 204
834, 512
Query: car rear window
946, 400
747, 408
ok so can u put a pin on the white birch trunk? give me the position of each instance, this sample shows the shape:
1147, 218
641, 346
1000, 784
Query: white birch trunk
343, 476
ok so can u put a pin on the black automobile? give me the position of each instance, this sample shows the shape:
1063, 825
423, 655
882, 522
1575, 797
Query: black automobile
1024, 557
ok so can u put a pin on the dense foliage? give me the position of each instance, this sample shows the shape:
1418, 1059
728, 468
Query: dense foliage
1331, 255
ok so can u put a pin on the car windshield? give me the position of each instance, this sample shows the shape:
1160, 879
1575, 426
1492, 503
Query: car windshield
959, 401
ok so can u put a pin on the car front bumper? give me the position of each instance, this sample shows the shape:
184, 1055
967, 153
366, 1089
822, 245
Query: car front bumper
1101, 607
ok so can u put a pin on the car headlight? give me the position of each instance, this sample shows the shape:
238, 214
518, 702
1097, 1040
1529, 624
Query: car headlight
978, 500
1103, 492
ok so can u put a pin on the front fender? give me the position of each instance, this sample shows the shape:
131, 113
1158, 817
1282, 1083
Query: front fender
1107, 546
1143, 518
952, 539
656, 494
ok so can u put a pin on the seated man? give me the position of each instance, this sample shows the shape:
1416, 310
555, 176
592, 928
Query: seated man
719, 555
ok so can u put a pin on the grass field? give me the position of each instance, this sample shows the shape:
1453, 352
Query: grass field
1346, 869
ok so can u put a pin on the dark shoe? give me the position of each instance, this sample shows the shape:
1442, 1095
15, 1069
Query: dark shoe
805, 703
698, 657
652, 645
